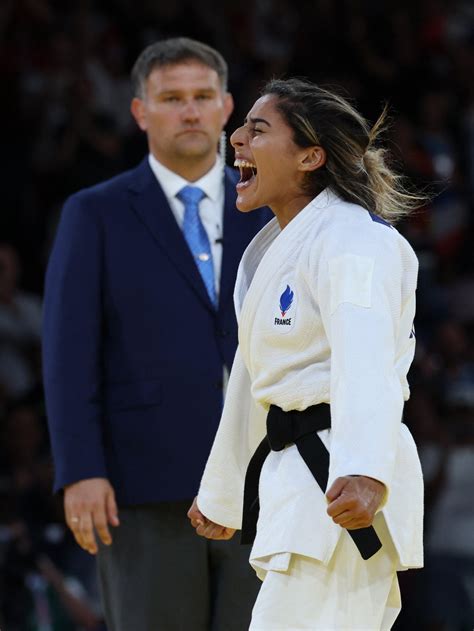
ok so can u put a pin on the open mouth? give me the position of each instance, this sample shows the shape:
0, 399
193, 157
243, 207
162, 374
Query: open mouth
248, 173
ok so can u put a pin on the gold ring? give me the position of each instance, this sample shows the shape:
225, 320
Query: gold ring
75, 520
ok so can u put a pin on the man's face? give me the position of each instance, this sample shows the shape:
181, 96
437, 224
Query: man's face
183, 112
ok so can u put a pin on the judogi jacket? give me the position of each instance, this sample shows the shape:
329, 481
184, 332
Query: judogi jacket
325, 310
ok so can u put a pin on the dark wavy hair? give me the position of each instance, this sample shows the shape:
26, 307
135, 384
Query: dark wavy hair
356, 169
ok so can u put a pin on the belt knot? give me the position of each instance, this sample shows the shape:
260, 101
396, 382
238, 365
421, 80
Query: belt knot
299, 427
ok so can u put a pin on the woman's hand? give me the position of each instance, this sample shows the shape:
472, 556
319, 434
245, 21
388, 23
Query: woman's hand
353, 500
207, 528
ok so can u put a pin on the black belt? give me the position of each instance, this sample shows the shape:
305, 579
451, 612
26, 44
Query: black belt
300, 428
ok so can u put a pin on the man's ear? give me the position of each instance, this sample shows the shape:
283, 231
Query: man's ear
138, 109
313, 158
228, 106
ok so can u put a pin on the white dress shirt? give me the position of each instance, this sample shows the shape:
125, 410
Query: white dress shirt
211, 208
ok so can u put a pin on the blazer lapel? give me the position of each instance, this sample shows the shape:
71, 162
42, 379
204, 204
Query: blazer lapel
152, 208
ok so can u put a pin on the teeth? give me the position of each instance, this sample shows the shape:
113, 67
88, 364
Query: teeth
244, 163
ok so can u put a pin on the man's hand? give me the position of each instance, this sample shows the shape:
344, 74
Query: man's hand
353, 500
207, 528
90, 504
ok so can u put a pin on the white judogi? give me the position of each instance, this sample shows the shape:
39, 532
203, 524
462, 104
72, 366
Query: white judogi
325, 310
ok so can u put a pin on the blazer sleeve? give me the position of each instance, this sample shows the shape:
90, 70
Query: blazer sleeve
241, 429
72, 345
359, 293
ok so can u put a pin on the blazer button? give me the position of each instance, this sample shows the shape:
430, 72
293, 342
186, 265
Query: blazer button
219, 385
224, 332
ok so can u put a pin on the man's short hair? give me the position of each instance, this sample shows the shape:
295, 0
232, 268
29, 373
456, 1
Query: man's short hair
172, 51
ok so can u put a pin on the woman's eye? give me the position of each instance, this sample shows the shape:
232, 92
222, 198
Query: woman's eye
257, 131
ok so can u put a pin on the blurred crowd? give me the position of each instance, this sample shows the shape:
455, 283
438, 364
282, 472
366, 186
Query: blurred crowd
65, 66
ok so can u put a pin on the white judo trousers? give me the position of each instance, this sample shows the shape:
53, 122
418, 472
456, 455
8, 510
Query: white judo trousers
348, 593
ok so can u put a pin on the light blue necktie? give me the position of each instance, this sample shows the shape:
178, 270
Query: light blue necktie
196, 237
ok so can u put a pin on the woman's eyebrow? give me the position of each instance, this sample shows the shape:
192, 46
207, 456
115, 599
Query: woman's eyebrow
257, 120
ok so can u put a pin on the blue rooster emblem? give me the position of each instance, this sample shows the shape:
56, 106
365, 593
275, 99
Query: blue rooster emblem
286, 300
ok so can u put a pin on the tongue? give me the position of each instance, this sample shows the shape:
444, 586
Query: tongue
246, 182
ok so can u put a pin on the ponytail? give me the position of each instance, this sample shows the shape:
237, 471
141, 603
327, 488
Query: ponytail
356, 167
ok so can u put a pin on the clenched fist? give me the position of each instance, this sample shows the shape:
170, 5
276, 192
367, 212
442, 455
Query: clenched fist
354, 500
207, 528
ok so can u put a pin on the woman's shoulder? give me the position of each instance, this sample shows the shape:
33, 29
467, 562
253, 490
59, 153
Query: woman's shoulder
348, 228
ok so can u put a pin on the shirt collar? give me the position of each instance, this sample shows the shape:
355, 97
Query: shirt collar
172, 183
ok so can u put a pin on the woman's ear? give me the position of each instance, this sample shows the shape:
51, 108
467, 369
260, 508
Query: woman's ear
312, 158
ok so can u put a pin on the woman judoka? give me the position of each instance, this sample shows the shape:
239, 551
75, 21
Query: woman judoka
325, 300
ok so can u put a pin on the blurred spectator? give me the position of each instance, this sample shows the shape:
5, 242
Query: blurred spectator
109, 80
46, 585
446, 594
20, 328
441, 412
37, 595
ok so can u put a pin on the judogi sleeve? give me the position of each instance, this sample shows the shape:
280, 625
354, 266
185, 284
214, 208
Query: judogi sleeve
359, 295
240, 431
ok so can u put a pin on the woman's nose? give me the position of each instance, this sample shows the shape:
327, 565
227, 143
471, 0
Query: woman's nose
236, 140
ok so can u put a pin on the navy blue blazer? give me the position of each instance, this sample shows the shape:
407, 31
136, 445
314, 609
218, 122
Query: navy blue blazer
133, 349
